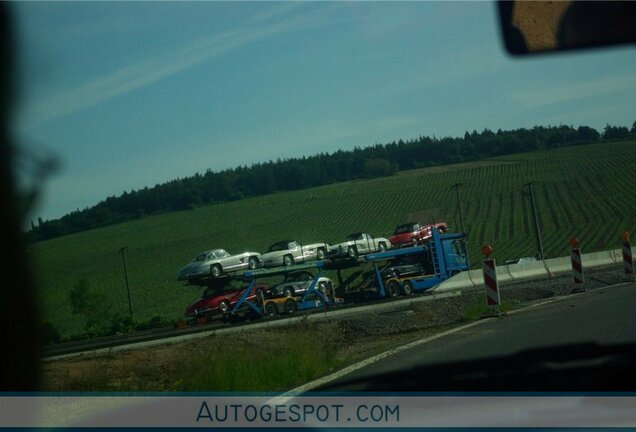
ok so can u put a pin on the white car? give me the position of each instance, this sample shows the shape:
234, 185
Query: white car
217, 262
358, 244
524, 260
288, 252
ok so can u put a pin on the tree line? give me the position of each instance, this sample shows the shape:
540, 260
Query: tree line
321, 169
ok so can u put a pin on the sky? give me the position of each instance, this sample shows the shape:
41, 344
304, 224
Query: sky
132, 94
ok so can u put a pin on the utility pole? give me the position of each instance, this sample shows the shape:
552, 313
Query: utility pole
122, 251
456, 186
537, 231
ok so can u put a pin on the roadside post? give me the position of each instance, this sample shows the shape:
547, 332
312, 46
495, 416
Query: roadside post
577, 265
122, 251
493, 300
628, 258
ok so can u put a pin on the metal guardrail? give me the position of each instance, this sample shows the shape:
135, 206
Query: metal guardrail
124, 339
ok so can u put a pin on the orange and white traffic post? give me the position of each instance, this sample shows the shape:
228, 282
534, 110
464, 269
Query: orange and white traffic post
489, 268
577, 265
628, 258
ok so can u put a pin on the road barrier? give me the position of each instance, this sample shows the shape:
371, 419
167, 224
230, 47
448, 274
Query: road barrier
460, 280
534, 270
489, 269
555, 266
490, 281
577, 265
628, 258
599, 259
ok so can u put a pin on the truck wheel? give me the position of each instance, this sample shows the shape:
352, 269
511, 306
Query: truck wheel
393, 288
322, 287
320, 254
352, 252
382, 247
224, 306
252, 263
407, 288
291, 306
216, 270
288, 260
271, 309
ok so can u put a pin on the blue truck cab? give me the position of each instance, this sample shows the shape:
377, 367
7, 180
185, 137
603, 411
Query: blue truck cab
453, 252
439, 259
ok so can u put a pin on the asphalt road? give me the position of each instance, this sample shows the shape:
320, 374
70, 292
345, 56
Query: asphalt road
604, 316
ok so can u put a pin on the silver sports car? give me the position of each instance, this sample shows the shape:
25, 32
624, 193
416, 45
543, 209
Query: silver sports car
297, 283
288, 252
216, 262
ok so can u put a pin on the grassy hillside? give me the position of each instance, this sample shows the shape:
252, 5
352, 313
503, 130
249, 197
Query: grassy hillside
584, 191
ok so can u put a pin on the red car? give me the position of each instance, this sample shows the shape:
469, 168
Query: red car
413, 233
220, 300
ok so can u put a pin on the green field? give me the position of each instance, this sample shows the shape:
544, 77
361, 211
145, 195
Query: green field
584, 191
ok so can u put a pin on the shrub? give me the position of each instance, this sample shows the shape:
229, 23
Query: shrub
79, 297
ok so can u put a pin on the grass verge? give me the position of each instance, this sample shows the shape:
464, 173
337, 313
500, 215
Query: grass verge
479, 309
294, 356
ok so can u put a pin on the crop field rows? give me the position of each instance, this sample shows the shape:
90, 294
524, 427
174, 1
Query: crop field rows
583, 191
